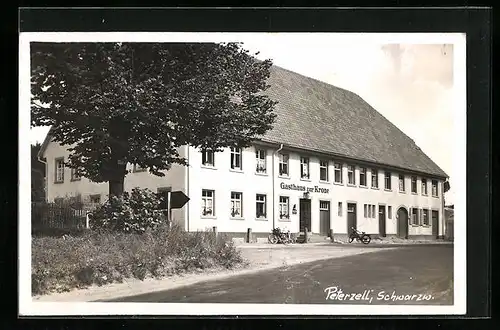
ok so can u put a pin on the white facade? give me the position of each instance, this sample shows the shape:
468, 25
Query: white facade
174, 179
223, 180
234, 190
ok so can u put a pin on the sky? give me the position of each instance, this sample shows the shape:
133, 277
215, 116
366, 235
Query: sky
410, 84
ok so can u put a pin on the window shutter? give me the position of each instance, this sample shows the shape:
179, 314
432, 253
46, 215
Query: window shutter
420, 222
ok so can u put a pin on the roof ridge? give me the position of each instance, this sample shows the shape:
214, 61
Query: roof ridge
315, 79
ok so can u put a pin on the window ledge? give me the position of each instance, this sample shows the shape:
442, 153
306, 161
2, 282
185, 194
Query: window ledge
236, 218
365, 187
208, 167
235, 170
426, 195
435, 196
285, 220
325, 182
375, 188
414, 193
388, 190
305, 179
208, 217
402, 192
284, 177
351, 185
339, 183
261, 173
261, 219
73, 180
58, 182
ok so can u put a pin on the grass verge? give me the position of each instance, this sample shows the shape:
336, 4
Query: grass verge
96, 258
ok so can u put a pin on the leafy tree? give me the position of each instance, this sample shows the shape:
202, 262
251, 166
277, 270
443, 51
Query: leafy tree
37, 175
119, 103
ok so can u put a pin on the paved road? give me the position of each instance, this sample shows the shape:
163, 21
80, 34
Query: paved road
412, 273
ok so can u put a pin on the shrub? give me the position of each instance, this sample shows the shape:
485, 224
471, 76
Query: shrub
130, 213
102, 257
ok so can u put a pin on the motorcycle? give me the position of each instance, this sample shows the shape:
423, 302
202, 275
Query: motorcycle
359, 236
279, 236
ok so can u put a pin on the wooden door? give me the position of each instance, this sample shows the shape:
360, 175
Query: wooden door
435, 223
381, 220
324, 218
305, 214
402, 223
351, 217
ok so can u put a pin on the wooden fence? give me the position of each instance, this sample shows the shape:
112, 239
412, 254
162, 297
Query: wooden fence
449, 218
57, 216
449, 230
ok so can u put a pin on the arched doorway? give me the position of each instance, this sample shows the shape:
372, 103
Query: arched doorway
402, 223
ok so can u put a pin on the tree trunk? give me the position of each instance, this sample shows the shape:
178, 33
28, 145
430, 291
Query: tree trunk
116, 187
116, 184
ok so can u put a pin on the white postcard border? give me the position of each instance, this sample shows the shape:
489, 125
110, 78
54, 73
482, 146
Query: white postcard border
29, 307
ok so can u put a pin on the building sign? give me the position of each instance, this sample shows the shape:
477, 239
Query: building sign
314, 189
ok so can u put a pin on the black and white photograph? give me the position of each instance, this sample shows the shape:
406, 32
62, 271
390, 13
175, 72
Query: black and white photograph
242, 173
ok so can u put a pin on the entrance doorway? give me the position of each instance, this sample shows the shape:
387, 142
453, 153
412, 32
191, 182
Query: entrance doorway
324, 218
351, 217
381, 220
402, 223
305, 214
435, 223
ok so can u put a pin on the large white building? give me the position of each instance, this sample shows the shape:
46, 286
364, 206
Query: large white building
330, 162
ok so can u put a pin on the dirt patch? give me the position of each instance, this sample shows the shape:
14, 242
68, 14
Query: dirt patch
258, 257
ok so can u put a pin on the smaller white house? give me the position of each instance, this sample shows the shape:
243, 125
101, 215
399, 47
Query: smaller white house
331, 162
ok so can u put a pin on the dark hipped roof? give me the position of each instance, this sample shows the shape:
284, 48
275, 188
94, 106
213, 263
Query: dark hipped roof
313, 115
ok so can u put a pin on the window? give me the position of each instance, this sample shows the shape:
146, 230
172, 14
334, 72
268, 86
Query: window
414, 216
138, 168
207, 158
340, 209
236, 158
304, 168
58, 200
59, 170
337, 169
424, 186
374, 178
284, 207
260, 157
283, 164
323, 170
414, 184
389, 212
74, 176
369, 211
401, 183
387, 179
207, 203
236, 204
434, 188
350, 175
260, 206
425, 217
362, 176
95, 199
